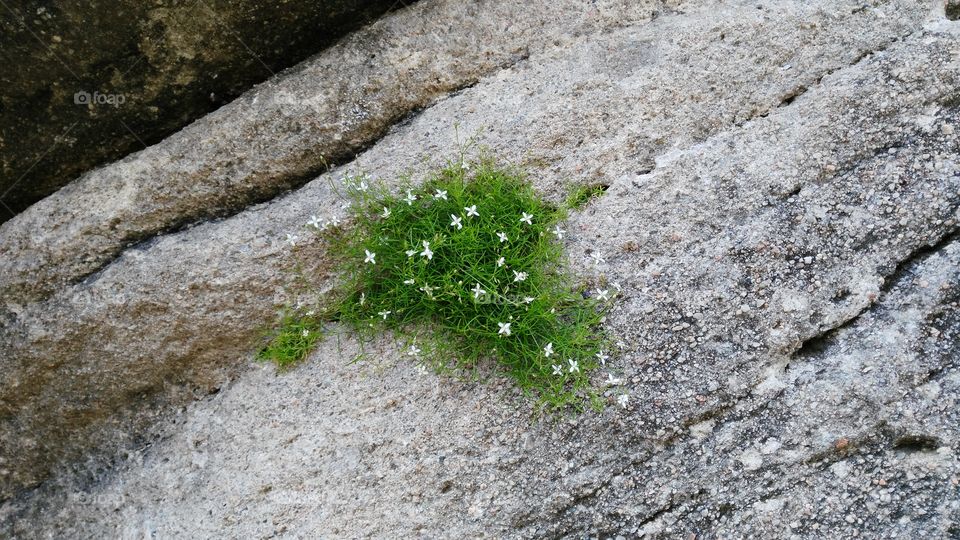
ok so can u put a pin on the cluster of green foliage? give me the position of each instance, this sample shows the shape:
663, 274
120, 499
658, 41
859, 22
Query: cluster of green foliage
466, 268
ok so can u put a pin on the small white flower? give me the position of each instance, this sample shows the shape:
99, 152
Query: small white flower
612, 381
557, 370
471, 210
548, 350
429, 290
603, 358
414, 351
386, 212
558, 232
502, 236
346, 205
616, 285
440, 194
408, 282
574, 365
501, 261
603, 294
426, 250
335, 221
478, 292
465, 166
525, 218
410, 252
597, 258
519, 276
371, 257
456, 221
362, 186
384, 314
306, 332
292, 239
504, 329
363, 298
314, 222
528, 299
410, 198
623, 400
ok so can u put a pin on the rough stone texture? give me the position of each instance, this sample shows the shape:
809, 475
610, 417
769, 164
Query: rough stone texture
785, 229
280, 135
161, 65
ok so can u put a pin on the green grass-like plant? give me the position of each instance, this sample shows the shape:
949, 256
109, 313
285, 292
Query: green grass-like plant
464, 269
580, 194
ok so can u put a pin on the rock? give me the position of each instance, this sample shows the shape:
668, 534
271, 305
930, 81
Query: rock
735, 192
279, 135
86, 84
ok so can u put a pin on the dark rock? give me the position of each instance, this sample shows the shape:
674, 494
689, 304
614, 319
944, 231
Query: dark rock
86, 83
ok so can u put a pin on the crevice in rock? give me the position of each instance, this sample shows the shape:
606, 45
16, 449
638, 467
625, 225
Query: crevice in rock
912, 443
823, 340
791, 96
952, 10
287, 186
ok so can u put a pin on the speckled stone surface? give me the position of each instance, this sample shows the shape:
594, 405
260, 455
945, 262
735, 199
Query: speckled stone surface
782, 219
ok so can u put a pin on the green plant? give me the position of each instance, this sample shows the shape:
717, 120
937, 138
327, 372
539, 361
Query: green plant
580, 194
467, 268
293, 340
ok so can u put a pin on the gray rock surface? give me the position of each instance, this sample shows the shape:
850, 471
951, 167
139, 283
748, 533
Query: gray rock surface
782, 217
85, 83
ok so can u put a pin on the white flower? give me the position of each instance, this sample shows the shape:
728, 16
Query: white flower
519, 276
410, 198
478, 292
574, 365
603, 295
408, 282
292, 239
455, 221
558, 232
306, 332
362, 186
314, 222
465, 166
548, 350
623, 400
410, 252
371, 257
471, 210
384, 314
597, 258
504, 329
345, 205
616, 285
528, 299
603, 358
501, 261
440, 194
611, 380
335, 221
525, 218
414, 351
363, 298
429, 290
386, 212
426, 250
502, 236
557, 370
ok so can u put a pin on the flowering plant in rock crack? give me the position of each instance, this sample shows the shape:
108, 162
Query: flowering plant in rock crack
469, 268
